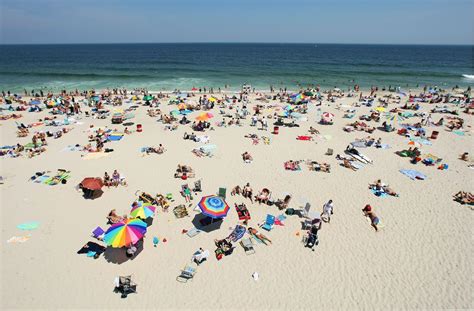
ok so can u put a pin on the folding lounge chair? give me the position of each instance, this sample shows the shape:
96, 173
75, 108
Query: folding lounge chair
197, 186
97, 233
186, 274
330, 152
193, 232
269, 222
248, 246
125, 286
222, 192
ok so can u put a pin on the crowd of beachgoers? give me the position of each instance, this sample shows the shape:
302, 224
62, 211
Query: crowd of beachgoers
414, 119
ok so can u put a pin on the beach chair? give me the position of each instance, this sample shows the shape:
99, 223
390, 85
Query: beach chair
434, 135
269, 222
247, 246
193, 232
306, 210
125, 286
330, 152
222, 192
97, 233
308, 223
201, 257
186, 274
197, 186
180, 211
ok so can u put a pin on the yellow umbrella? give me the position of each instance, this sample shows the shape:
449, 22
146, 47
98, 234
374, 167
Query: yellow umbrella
202, 117
182, 106
212, 99
380, 109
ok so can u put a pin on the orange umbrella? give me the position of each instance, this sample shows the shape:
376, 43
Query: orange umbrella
182, 106
204, 116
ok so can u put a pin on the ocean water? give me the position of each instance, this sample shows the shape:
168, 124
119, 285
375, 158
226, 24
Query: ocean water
183, 66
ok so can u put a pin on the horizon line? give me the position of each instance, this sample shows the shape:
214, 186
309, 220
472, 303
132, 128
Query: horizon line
250, 42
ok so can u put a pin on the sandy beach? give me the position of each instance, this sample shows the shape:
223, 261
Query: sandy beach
420, 258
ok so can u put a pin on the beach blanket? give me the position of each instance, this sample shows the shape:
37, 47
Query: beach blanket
358, 144
72, 148
421, 141
413, 174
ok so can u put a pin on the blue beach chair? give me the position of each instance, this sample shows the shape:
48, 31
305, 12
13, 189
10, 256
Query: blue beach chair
269, 222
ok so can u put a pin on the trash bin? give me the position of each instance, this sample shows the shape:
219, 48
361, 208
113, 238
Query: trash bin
139, 128
276, 129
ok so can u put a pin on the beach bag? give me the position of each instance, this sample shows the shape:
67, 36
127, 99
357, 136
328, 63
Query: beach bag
290, 211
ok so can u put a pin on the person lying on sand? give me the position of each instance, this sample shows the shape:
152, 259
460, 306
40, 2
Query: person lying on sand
253, 232
464, 197
113, 218
378, 185
313, 130
263, 196
368, 212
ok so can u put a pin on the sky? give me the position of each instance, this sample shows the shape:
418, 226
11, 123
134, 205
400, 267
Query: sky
292, 21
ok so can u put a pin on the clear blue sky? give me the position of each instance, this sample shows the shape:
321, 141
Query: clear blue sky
315, 21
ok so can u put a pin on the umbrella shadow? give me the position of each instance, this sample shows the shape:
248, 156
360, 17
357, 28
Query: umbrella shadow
92, 194
119, 255
206, 223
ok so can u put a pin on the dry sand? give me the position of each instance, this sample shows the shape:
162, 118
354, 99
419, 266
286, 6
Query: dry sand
421, 259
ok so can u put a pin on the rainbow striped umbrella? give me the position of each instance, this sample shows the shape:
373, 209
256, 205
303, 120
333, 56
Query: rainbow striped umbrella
213, 206
143, 211
125, 233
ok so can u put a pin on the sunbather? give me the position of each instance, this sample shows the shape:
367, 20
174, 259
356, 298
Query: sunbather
282, 204
313, 130
113, 218
464, 197
464, 156
368, 212
236, 191
163, 202
263, 196
253, 232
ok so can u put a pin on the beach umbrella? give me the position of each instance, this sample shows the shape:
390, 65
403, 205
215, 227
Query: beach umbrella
182, 106
328, 115
204, 116
395, 117
92, 183
212, 99
213, 206
35, 102
380, 109
125, 233
308, 93
143, 211
147, 97
95, 98
194, 89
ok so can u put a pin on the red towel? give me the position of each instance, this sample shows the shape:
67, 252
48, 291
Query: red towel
303, 138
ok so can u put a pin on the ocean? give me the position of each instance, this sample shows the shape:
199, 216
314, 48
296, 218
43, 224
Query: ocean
165, 67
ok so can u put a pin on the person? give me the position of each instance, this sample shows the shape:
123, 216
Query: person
253, 232
200, 256
131, 250
368, 212
247, 157
126, 131
106, 179
247, 192
187, 193
313, 236
328, 210
115, 178
236, 191
160, 149
464, 156
113, 217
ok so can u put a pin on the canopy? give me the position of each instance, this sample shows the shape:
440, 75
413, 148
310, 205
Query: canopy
92, 183
328, 115
125, 233
213, 206
143, 211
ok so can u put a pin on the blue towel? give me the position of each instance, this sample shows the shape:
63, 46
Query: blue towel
115, 137
379, 193
91, 254
413, 174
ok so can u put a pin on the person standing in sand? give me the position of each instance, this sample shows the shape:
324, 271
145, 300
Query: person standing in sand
327, 211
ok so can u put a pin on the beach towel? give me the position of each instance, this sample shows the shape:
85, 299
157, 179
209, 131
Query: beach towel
94, 155
459, 133
114, 137
379, 193
19, 239
237, 233
42, 179
421, 141
359, 144
28, 225
357, 165
303, 138
72, 148
413, 174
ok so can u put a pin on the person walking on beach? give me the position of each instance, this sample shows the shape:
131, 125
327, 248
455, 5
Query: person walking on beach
328, 210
